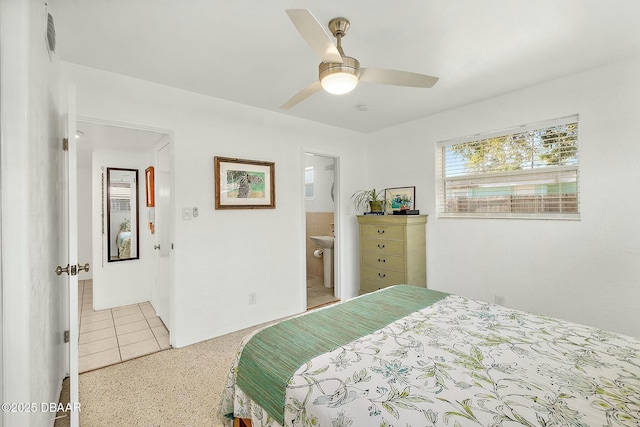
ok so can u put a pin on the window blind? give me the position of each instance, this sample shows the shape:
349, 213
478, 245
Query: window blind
120, 196
525, 172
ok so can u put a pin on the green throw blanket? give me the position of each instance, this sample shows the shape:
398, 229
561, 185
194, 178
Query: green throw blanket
272, 356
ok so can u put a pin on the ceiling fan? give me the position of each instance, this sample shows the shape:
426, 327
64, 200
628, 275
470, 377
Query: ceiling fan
338, 73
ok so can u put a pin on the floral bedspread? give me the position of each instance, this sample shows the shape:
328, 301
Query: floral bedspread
462, 362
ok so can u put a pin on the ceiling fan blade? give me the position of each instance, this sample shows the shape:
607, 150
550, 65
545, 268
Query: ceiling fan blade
396, 78
315, 35
302, 95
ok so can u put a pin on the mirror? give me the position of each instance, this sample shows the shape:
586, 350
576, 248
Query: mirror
122, 214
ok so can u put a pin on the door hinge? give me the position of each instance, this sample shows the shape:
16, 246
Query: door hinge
66, 336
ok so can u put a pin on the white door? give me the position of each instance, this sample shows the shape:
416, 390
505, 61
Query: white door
163, 229
71, 244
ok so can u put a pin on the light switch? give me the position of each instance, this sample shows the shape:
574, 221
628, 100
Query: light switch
186, 214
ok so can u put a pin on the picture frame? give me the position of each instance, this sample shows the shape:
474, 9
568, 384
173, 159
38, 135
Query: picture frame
149, 185
244, 184
400, 198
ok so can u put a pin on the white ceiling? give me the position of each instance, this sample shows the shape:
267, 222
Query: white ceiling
92, 135
248, 51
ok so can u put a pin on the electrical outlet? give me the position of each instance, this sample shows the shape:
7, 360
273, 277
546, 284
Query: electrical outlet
252, 298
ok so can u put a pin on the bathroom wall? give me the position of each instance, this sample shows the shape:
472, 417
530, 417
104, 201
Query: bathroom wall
319, 208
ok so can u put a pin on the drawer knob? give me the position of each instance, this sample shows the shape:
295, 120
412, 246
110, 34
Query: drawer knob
382, 275
380, 246
380, 231
382, 260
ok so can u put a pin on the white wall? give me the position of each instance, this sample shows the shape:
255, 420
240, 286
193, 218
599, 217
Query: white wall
31, 168
123, 282
222, 256
585, 271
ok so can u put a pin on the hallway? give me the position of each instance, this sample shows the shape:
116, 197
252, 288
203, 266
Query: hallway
114, 335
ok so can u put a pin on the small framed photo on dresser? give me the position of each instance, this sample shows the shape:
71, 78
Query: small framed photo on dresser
400, 198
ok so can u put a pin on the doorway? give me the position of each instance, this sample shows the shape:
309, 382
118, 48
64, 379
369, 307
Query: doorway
321, 236
118, 318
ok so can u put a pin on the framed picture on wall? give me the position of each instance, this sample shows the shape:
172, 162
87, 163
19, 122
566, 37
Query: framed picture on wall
400, 198
244, 184
148, 174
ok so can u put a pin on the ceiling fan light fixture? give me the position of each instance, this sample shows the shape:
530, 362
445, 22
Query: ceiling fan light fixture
339, 83
339, 79
338, 73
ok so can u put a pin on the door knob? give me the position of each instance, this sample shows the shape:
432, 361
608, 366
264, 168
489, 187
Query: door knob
60, 270
156, 246
72, 270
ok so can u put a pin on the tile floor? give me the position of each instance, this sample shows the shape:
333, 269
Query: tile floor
114, 335
317, 293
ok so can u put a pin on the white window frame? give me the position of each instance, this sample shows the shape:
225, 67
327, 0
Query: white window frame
514, 181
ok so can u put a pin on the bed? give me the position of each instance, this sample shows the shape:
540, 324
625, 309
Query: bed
409, 356
123, 239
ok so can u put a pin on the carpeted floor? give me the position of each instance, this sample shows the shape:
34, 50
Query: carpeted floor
175, 387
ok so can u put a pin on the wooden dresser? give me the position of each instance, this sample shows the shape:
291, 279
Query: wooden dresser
392, 251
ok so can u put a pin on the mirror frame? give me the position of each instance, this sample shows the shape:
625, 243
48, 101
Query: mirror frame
137, 216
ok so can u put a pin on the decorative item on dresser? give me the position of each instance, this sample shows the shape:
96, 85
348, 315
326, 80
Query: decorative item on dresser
400, 198
392, 251
373, 199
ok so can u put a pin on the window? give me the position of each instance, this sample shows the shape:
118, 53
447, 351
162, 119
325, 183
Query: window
308, 182
120, 196
526, 172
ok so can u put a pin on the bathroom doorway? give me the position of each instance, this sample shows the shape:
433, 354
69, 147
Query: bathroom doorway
321, 237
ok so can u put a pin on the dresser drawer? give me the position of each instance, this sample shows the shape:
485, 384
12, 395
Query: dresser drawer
386, 261
382, 231
395, 247
382, 275
372, 285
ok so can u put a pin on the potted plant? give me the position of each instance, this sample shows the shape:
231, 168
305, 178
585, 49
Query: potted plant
372, 199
